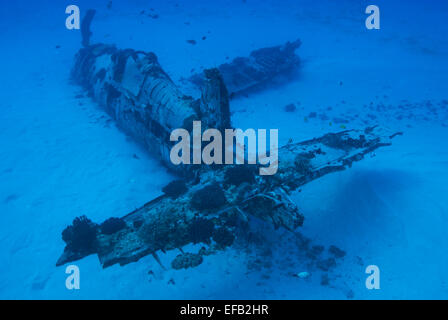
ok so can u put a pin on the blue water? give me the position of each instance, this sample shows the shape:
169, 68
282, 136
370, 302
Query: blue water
62, 156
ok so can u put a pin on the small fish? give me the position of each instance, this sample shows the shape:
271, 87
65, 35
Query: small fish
302, 275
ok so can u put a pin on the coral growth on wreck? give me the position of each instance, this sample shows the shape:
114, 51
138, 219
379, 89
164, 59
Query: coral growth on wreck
239, 174
175, 188
223, 237
208, 198
112, 225
81, 235
303, 162
201, 230
168, 231
186, 260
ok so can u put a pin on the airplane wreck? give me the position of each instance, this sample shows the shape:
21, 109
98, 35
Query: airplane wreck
207, 204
